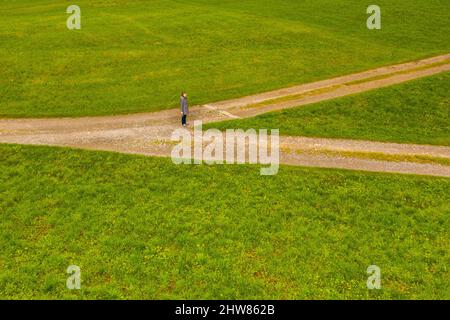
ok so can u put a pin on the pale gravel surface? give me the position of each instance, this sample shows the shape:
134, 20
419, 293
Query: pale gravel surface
149, 133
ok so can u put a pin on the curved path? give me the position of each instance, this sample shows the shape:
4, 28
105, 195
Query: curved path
149, 133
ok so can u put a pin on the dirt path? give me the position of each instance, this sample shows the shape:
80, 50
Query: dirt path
150, 133
333, 88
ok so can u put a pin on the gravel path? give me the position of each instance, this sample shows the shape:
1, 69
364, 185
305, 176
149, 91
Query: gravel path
149, 133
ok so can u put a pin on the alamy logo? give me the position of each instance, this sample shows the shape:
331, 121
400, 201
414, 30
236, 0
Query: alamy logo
231, 147
374, 21
74, 280
74, 20
374, 280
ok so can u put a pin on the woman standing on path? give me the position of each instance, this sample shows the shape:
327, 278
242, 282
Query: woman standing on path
184, 108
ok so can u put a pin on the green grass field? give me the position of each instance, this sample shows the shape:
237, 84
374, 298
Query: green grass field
134, 56
413, 112
144, 228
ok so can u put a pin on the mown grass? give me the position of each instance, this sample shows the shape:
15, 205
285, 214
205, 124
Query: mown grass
144, 228
414, 112
134, 56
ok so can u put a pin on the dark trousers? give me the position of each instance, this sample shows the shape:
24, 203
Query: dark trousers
183, 119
